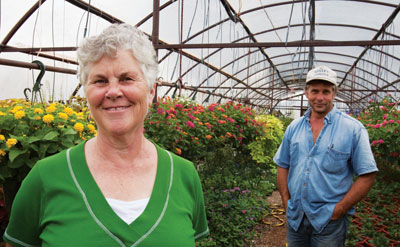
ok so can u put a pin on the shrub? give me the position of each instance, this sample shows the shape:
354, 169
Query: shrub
264, 147
382, 120
29, 133
191, 130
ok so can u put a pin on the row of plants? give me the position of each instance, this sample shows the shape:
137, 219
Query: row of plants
229, 144
231, 147
376, 222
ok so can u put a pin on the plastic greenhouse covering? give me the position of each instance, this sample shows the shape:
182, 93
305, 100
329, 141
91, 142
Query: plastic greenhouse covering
256, 52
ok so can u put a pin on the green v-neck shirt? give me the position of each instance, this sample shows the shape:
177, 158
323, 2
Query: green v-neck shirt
60, 204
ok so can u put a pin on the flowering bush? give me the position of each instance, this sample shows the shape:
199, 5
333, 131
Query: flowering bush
29, 133
190, 130
382, 120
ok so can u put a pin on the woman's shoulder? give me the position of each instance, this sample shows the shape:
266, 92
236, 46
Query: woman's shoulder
180, 164
55, 162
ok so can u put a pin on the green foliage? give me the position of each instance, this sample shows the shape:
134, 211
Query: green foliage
234, 195
285, 121
382, 120
264, 147
233, 214
29, 133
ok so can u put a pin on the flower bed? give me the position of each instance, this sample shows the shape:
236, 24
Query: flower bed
376, 222
29, 133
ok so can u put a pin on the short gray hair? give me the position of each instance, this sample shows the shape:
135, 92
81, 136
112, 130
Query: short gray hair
115, 37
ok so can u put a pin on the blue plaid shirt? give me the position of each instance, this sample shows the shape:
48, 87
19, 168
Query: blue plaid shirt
321, 174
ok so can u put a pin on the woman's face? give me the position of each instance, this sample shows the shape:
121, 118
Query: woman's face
118, 94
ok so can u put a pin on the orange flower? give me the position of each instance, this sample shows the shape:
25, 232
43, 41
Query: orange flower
178, 151
208, 137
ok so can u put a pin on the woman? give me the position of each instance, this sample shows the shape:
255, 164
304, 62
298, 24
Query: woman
117, 189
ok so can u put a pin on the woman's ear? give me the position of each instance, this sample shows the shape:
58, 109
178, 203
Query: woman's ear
152, 93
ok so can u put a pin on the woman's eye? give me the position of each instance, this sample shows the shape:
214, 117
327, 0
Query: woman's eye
99, 81
127, 79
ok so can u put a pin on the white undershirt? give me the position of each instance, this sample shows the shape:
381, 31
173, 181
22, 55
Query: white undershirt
128, 211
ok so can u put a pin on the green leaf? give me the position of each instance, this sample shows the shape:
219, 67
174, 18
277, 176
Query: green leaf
17, 163
31, 162
14, 153
33, 139
68, 132
52, 135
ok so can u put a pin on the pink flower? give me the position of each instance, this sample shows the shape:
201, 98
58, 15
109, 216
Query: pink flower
230, 120
191, 116
160, 111
376, 126
244, 211
190, 124
391, 121
178, 106
224, 205
381, 141
385, 116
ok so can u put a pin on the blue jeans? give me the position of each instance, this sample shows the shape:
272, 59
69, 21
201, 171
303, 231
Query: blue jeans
333, 235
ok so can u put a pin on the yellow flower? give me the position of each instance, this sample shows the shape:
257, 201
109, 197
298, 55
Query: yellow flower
63, 115
38, 111
19, 114
91, 128
38, 118
48, 118
80, 115
16, 108
2, 152
2, 113
78, 127
69, 111
51, 109
11, 142
2, 138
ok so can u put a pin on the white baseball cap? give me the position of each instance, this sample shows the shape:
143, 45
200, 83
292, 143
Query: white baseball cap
322, 73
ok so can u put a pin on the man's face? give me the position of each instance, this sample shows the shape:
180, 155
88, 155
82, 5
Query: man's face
320, 96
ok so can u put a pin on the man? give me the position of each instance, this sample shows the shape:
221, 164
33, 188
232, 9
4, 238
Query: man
319, 154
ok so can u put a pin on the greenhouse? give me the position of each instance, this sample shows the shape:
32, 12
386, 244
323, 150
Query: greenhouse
232, 77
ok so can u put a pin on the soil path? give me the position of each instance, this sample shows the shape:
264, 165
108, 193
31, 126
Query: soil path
272, 235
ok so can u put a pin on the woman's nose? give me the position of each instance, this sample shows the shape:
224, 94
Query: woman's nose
113, 91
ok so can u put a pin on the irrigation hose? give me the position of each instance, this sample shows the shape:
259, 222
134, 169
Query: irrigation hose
275, 211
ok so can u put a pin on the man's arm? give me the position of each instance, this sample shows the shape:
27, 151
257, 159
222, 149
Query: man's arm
356, 193
282, 180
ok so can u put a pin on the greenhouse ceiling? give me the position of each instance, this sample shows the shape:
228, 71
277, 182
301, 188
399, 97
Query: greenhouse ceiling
256, 52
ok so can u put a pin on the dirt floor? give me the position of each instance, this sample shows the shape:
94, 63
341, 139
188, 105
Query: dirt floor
273, 233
